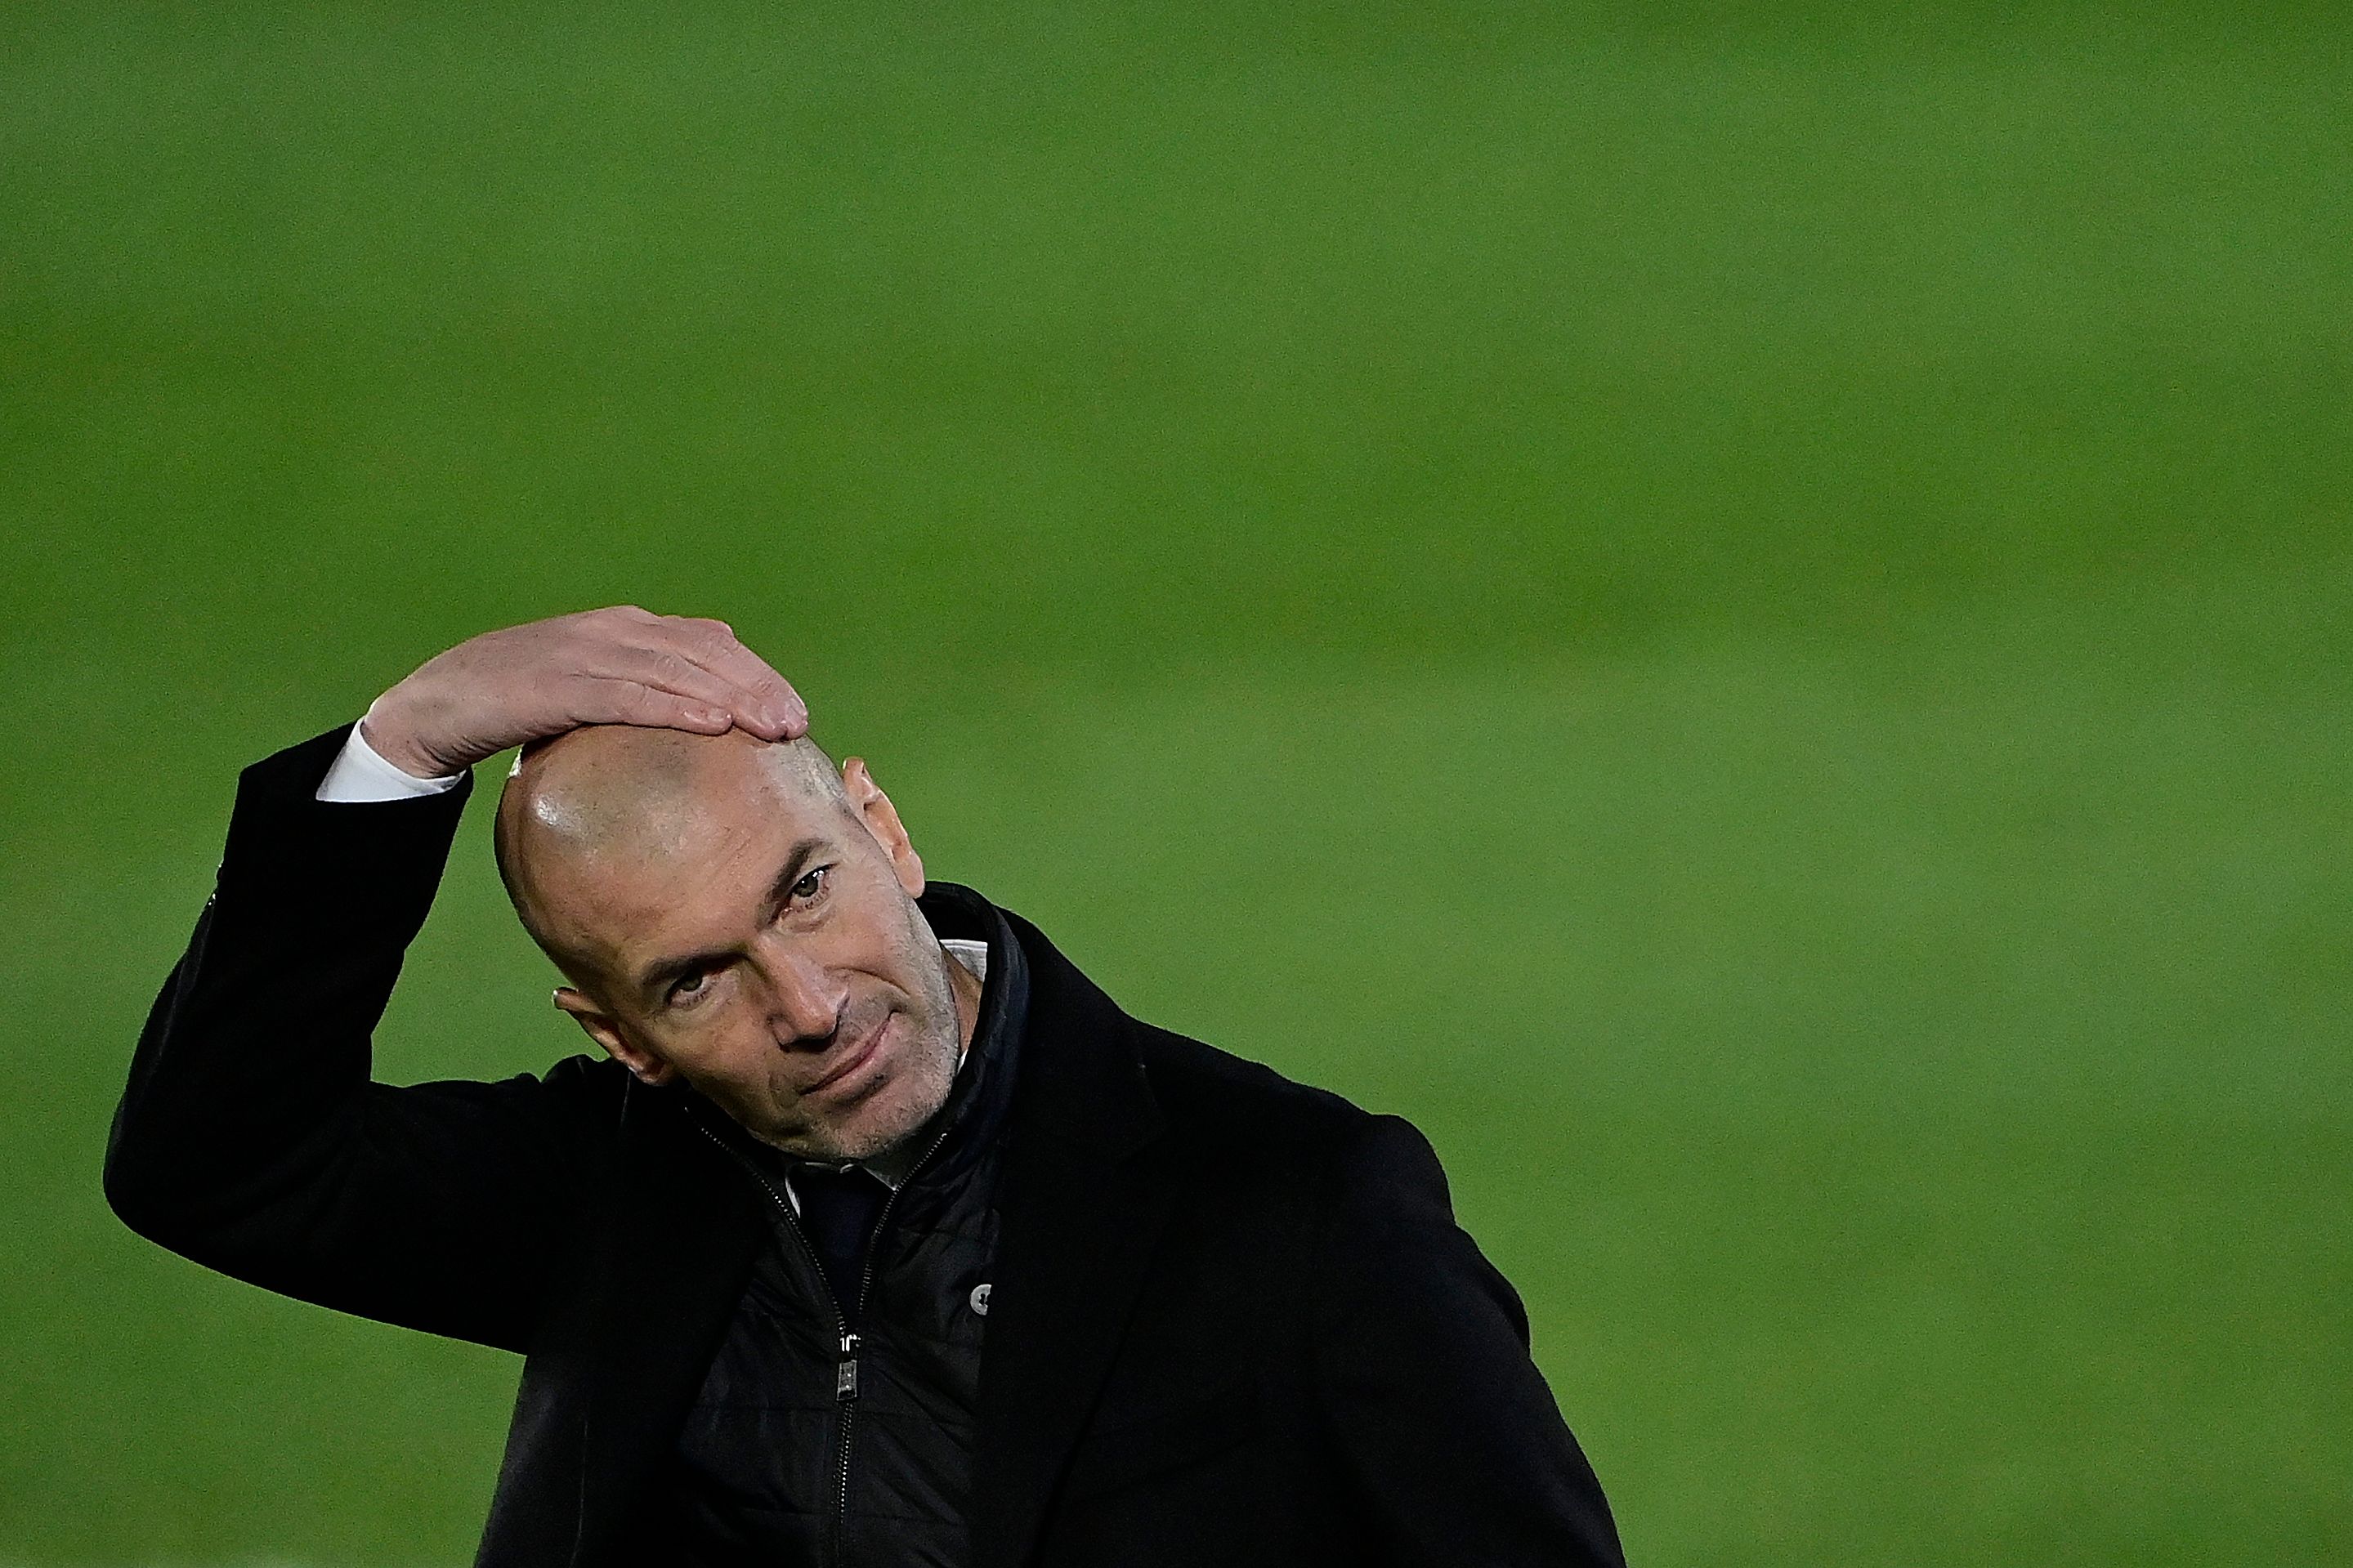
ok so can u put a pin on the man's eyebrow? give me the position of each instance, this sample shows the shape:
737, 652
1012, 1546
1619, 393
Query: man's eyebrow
657, 976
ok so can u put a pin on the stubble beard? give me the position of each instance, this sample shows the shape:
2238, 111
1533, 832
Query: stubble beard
924, 1077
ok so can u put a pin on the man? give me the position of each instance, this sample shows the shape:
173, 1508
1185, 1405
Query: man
876, 1233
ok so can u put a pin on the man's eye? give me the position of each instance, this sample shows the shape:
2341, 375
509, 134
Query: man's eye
688, 987
809, 886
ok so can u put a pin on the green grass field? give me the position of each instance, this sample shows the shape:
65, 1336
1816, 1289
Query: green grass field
1747, 615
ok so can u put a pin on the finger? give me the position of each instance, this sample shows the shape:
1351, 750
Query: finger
780, 712
664, 669
603, 700
714, 646
667, 670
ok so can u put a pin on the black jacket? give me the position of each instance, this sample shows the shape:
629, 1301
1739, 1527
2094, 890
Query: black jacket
1232, 1321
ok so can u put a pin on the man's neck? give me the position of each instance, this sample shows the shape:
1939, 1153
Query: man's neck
966, 982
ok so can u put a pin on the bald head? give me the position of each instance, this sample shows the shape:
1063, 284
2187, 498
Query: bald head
599, 806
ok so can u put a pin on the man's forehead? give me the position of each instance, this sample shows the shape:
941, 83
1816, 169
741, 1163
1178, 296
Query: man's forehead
616, 780
610, 832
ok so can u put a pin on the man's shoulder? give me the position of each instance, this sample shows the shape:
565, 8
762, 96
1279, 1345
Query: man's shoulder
590, 1098
603, 1117
1232, 1109
1229, 1120
594, 1082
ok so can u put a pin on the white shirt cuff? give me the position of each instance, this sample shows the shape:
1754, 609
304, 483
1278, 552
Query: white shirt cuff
359, 775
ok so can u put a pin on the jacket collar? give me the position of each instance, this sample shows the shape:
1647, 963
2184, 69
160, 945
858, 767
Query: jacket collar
1090, 1091
1082, 1204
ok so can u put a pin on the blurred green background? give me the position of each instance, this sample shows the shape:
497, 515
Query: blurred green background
1742, 610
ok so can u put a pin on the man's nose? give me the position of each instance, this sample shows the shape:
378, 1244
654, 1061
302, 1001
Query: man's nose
804, 1005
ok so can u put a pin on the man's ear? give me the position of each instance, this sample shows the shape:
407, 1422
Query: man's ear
881, 821
601, 1027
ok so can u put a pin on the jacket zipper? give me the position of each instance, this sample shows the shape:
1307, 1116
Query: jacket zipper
845, 1369
845, 1375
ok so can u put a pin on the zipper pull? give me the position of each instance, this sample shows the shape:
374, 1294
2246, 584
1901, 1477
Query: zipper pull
845, 1371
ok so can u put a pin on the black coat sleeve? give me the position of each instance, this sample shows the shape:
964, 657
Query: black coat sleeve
251, 1138
1421, 1361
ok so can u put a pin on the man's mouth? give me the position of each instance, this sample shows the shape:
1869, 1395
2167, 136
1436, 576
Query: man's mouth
865, 1051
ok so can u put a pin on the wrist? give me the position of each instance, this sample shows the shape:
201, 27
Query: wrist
383, 730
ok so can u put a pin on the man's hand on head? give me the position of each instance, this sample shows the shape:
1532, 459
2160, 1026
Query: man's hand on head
616, 665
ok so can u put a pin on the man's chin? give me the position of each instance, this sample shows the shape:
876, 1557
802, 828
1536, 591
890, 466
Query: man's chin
862, 1130
899, 1109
